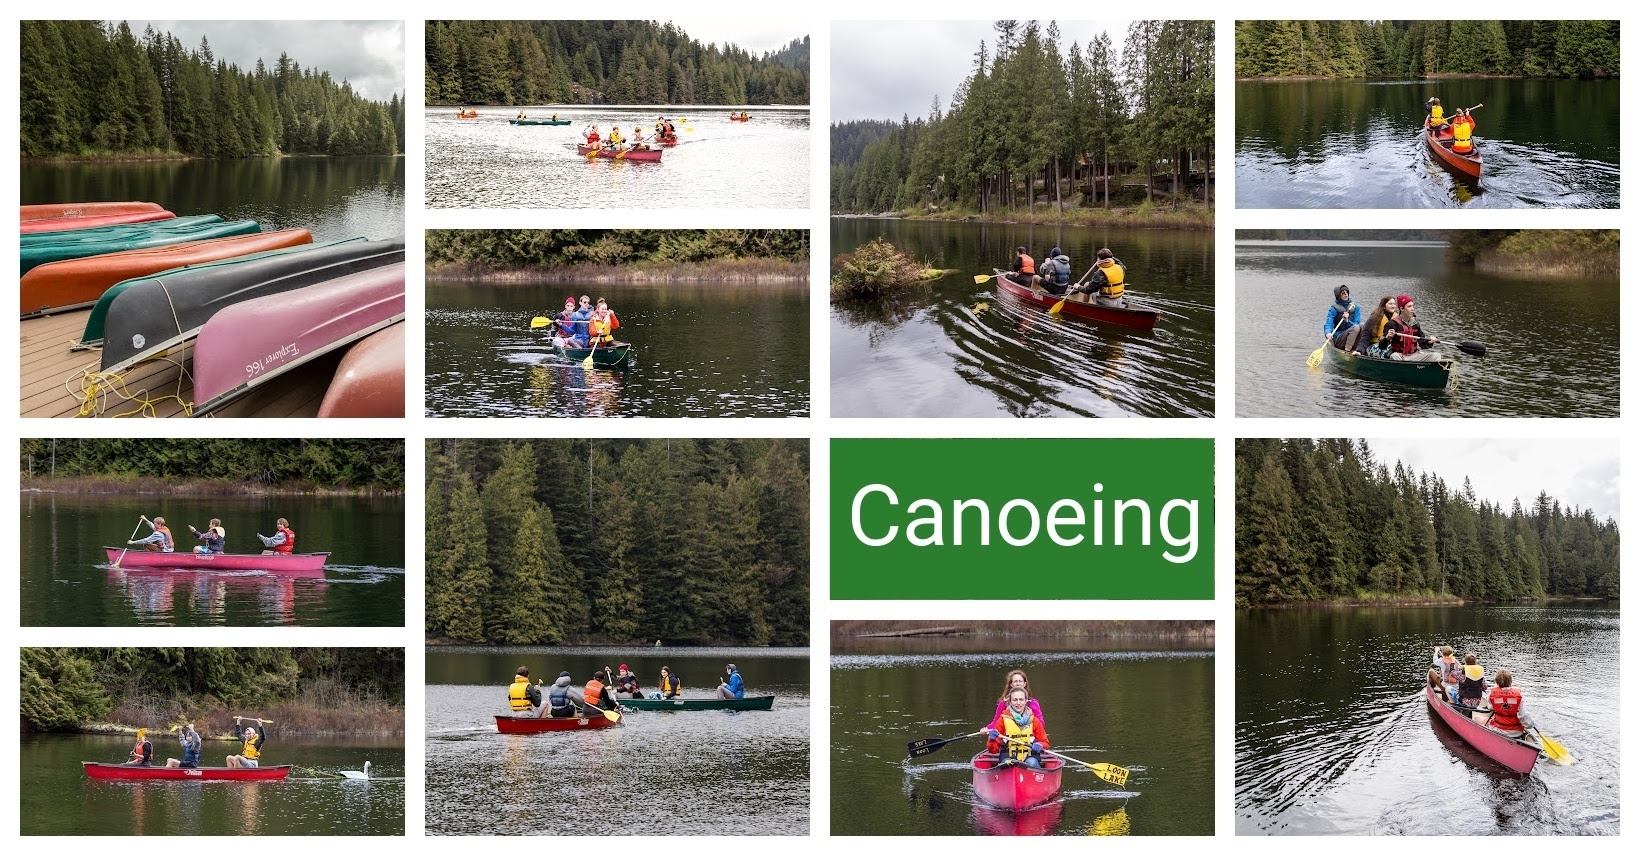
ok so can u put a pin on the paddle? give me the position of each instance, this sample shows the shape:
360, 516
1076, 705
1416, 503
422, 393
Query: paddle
1117, 776
587, 363
540, 321
981, 279
1468, 346
141, 519
1314, 361
1551, 747
919, 748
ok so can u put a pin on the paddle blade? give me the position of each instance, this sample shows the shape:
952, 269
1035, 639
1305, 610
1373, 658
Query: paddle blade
587, 363
1314, 361
538, 322
1474, 349
1556, 752
1117, 776
1057, 306
613, 716
979, 278
919, 751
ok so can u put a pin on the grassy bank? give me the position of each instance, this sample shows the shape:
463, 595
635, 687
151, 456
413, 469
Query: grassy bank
1203, 630
148, 485
1554, 252
1144, 216
1370, 599
315, 713
726, 271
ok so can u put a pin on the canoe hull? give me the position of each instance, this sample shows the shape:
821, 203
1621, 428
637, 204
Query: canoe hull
1514, 753
1469, 167
121, 772
91, 221
369, 382
539, 122
60, 246
740, 118
1015, 787
52, 210
644, 155
1134, 317
292, 562
533, 725
604, 358
748, 703
1430, 375
249, 343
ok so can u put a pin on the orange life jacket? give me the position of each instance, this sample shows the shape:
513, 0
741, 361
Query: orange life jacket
593, 693
1505, 703
1027, 264
290, 541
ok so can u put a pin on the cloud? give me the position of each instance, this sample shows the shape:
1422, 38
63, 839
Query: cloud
1583, 473
369, 55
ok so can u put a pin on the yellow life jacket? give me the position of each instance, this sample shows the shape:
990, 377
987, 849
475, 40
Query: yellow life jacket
615, 138
516, 694
1018, 751
1474, 673
1436, 117
250, 751
670, 685
1114, 275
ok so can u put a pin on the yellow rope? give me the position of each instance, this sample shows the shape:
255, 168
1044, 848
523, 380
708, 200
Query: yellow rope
96, 386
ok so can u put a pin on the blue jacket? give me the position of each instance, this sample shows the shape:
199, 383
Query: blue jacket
1339, 311
737, 687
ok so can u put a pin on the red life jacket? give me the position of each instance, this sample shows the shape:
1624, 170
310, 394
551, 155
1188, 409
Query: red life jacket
290, 541
592, 139
1506, 703
1027, 264
1405, 343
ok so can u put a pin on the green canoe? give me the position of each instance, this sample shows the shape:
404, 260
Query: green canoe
114, 239
617, 356
748, 703
1430, 375
539, 121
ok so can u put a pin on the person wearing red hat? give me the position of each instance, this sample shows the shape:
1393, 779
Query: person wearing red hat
626, 684
1404, 339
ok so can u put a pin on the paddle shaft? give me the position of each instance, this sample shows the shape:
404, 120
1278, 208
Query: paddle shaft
141, 519
925, 746
1109, 772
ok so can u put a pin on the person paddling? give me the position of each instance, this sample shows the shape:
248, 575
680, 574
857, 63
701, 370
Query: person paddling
142, 754
214, 536
250, 755
1024, 272
189, 739
159, 540
1108, 276
1505, 700
1017, 734
1016, 680
1463, 131
559, 703
523, 697
1437, 118
1451, 670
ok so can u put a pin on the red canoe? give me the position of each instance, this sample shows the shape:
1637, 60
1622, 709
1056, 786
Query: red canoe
51, 210
180, 774
641, 155
91, 221
534, 725
1467, 165
1015, 787
369, 382
1137, 317
1513, 752
181, 561
740, 118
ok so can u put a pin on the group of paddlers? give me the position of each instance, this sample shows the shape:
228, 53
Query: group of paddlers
214, 538
603, 691
586, 325
1464, 683
665, 133
1104, 281
1462, 123
250, 754
1390, 332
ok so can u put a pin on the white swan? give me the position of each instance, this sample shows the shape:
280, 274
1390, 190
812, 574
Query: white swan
355, 774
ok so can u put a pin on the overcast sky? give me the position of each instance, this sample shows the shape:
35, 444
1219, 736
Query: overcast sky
889, 69
367, 54
756, 36
1583, 473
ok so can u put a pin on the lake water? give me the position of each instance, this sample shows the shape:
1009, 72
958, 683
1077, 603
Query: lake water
1100, 704
1333, 735
698, 349
683, 773
1359, 144
340, 197
1568, 368
488, 163
956, 348
56, 797
66, 579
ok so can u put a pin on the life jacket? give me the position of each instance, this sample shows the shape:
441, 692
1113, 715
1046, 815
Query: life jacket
592, 138
593, 693
603, 330
143, 752
1450, 667
1027, 265
1407, 344
558, 703
518, 694
1061, 270
1462, 128
1436, 117
1473, 682
670, 685
168, 544
290, 541
252, 750
615, 138
1506, 704
1018, 751
1114, 275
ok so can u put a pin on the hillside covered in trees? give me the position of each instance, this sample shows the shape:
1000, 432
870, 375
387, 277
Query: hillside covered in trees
92, 89
549, 542
324, 463
552, 248
603, 62
1324, 520
1038, 113
1419, 48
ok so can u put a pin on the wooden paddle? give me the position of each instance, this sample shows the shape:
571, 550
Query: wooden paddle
141, 519
1314, 361
919, 748
1117, 776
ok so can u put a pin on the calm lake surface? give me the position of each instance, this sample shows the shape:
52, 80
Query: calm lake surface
1283, 289
67, 581
683, 773
956, 348
1333, 735
1099, 706
488, 163
698, 349
1359, 144
58, 799
334, 198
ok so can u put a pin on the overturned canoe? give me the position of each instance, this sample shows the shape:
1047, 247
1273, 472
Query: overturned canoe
1512, 751
534, 725
1014, 786
151, 315
252, 342
80, 282
538, 121
747, 703
629, 154
272, 563
1440, 144
617, 356
59, 246
91, 221
369, 383
1133, 315
50, 210
1434, 374
127, 772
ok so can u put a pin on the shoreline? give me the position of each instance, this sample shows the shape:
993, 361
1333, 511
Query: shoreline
1186, 219
1310, 78
107, 485
720, 272
1450, 600
445, 642
1114, 629
156, 157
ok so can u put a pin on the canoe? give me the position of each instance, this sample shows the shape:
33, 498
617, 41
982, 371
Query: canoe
1430, 375
534, 725
1468, 165
747, 703
49, 210
1516, 753
1134, 316
740, 118
540, 121
1015, 787
668, 142
472, 115
641, 155
90, 221
178, 774
151, 315
180, 561
617, 356
369, 383
255, 341
58, 246
79, 282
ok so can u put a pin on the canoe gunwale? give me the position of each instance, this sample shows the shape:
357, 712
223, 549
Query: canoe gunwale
1379, 369
1135, 317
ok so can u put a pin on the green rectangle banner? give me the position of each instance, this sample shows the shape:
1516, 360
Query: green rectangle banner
1022, 519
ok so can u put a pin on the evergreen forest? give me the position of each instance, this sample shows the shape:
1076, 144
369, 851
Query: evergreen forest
1344, 49
1321, 520
553, 542
323, 463
89, 88
1038, 121
604, 62
513, 248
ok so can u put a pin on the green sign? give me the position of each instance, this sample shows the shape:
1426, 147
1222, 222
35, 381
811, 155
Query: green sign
1022, 519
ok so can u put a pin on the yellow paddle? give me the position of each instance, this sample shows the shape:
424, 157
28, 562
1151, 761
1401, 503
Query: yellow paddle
1551, 747
980, 279
587, 364
1117, 776
1060, 305
1314, 361
539, 321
